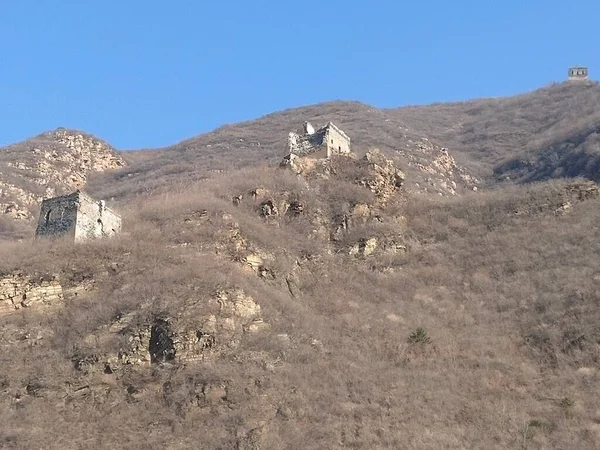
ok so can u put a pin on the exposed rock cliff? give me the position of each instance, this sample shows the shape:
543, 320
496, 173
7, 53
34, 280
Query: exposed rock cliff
21, 291
50, 164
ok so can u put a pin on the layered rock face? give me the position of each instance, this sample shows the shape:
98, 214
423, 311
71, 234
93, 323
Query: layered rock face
21, 291
47, 165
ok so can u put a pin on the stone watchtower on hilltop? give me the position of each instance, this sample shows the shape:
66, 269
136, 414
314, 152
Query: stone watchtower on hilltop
322, 143
578, 73
77, 215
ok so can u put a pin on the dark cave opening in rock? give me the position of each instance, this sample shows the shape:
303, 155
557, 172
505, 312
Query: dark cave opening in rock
161, 346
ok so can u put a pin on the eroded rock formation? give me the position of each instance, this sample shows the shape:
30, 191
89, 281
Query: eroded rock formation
50, 164
21, 291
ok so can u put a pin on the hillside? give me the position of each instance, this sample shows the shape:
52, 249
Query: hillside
321, 311
547, 133
52, 163
264, 141
57, 162
372, 301
486, 137
491, 133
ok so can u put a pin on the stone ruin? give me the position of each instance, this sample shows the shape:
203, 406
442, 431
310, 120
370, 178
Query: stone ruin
321, 143
578, 73
77, 215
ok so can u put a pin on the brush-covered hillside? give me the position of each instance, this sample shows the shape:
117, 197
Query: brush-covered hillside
483, 133
548, 133
429, 166
333, 309
396, 298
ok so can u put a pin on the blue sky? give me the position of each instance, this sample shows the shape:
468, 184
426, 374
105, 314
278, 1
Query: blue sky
149, 73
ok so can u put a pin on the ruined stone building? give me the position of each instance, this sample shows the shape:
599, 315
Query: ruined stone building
578, 73
77, 215
322, 143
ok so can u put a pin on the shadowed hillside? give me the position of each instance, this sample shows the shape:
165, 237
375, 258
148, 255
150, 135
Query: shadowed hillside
489, 132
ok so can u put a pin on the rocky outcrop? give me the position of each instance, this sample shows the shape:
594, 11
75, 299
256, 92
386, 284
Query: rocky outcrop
47, 165
21, 291
88, 154
440, 172
16, 202
302, 165
188, 334
383, 178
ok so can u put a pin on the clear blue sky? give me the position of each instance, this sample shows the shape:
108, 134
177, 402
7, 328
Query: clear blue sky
149, 73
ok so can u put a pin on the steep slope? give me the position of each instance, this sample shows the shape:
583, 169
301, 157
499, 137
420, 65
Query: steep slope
429, 166
261, 309
483, 135
490, 132
547, 133
574, 152
52, 163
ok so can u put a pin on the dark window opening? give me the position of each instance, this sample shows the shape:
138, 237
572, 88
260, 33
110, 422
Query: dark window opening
339, 148
332, 141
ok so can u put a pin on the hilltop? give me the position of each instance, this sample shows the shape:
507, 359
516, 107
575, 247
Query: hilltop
52, 163
488, 138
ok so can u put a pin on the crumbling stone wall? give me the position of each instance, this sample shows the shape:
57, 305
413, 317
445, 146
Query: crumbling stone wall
77, 215
338, 142
305, 144
322, 143
58, 216
94, 219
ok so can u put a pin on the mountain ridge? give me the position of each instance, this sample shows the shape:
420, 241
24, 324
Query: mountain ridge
485, 137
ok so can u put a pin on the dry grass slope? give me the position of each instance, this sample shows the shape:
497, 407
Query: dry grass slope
472, 324
489, 132
504, 291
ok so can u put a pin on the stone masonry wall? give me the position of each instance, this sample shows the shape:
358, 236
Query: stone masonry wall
58, 216
94, 219
338, 143
77, 215
329, 140
578, 73
303, 145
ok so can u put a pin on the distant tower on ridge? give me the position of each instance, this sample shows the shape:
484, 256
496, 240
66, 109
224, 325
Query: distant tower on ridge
578, 73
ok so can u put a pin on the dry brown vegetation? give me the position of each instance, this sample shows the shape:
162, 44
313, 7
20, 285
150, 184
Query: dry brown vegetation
504, 292
483, 135
479, 331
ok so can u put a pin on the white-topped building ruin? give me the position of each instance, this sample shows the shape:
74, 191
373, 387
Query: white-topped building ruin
321, 143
